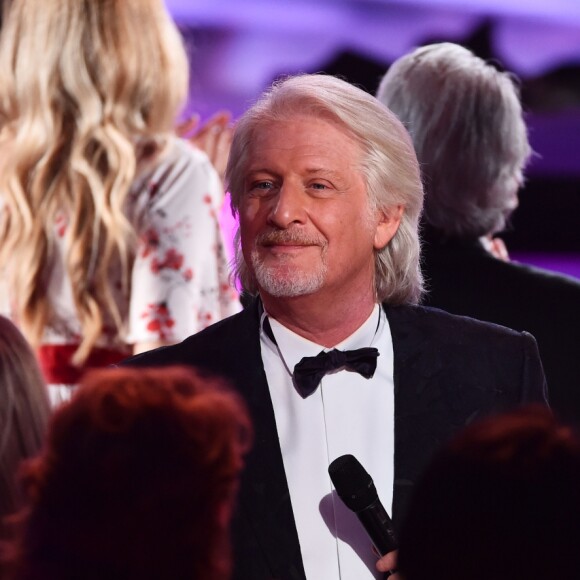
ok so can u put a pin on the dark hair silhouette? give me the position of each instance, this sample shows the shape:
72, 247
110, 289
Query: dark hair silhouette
24, 412
136, 480
500, 501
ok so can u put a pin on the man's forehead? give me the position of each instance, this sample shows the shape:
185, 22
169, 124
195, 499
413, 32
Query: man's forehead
264, 125
307, 134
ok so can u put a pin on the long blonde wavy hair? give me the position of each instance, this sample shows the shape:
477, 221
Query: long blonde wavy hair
87, 88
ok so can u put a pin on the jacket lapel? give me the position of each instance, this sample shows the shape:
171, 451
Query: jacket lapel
417, 396
265, 512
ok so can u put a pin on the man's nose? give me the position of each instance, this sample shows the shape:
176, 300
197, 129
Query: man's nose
288, 207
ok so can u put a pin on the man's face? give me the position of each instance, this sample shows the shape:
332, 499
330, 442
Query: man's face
305, 222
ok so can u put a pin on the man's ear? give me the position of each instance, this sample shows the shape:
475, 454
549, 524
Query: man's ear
389, 221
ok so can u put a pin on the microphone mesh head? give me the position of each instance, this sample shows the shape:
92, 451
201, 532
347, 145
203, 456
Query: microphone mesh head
353, 484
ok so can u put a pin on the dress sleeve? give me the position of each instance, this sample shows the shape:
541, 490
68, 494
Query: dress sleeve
180, 278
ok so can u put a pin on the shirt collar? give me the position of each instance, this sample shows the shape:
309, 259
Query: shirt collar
292, 347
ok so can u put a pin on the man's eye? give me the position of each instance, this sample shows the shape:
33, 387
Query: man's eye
263, 185
319, 186
261, 188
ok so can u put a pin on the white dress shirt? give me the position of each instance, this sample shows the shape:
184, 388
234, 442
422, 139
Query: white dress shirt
346, 414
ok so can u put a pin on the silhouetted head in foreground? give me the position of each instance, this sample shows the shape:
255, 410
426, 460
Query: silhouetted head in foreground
24, 412
136, 480
500, 501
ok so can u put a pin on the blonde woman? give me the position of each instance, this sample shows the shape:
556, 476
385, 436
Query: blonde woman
24, 412
109, 232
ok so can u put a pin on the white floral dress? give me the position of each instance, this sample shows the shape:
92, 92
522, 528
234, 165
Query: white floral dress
180, 277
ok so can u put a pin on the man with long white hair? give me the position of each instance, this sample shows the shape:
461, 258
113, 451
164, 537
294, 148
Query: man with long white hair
333, 357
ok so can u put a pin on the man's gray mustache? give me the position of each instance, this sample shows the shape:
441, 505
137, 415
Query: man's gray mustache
289, 237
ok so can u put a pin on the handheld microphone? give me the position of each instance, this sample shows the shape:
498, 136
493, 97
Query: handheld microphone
356, 489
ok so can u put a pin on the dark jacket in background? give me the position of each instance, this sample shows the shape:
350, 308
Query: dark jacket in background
463, 278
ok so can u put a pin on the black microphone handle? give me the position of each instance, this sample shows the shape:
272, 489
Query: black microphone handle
379, 527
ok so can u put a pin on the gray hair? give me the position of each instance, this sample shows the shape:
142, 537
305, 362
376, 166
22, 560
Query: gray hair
467, 126
389, 166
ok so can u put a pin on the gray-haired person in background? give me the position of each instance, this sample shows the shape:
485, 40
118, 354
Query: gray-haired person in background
469, 133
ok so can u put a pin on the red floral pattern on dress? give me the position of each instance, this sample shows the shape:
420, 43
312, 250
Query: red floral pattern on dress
180, 277
205, 318
61, 223
149, 242
172, 260
160, 320
153, 189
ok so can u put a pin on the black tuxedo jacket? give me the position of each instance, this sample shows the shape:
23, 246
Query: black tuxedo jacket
464, 279
448, 370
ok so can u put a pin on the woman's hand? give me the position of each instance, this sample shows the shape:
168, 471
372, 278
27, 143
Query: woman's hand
214, 137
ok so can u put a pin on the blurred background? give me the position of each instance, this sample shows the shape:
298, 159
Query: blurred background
237, 47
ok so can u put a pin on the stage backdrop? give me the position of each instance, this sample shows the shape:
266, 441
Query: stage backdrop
237, 47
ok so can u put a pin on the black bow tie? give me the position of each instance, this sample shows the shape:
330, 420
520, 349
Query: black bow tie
310, 370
